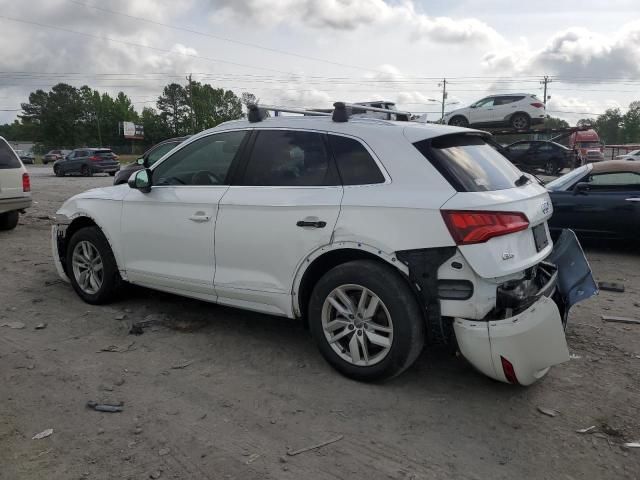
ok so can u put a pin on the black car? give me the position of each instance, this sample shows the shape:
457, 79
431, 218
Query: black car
531, 155
598, 200
148, 158
87, 161
27, 158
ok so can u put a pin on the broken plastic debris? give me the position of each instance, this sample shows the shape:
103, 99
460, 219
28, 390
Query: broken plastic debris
631, 445
43, 434
548, 411
17, 325
104, 407
611, 286
586, 430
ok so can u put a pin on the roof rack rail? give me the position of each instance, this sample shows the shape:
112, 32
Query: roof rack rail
342, 111
257, 112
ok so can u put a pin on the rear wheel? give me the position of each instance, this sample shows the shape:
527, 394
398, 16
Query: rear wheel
552, 167
520, 121
112, 174
92, 267
9, 220
366, 321
85, 171
459, 121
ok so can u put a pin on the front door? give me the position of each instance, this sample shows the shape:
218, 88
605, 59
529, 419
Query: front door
482, 112
168, 233
285, 205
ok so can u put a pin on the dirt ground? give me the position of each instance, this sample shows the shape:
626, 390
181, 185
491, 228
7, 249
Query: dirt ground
215, 393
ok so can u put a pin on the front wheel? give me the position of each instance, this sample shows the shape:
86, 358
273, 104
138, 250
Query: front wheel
9, 220
112, 174
552, 167
366, 321
91, 266
58, 172
459, 121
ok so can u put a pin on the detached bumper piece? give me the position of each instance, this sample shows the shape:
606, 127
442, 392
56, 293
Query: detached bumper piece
525, 335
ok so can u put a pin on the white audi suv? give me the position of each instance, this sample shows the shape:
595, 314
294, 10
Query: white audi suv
381, 235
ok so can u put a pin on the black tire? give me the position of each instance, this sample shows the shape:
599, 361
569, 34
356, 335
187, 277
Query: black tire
112, 174
58, 171
44, 162
85, 171
552, 167
459, 121
111, 281
9, 220
387, 284
520, 121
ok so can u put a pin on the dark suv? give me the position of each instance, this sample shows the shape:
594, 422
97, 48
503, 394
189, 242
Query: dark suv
87, 161
148, 158
530, 155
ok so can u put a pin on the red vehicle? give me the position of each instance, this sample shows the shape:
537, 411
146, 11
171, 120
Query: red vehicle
587, 146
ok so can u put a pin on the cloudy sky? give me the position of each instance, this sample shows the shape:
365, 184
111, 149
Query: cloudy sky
313, 52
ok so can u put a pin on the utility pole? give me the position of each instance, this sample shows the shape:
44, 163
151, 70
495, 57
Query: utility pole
444, 97
193, 124
544, 82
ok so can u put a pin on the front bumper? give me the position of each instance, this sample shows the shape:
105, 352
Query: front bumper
17, 203
522, 345
57, 237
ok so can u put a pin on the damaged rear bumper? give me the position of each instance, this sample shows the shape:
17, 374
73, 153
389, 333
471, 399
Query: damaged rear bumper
524, 337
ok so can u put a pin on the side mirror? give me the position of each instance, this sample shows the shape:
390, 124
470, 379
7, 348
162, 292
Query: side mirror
473, 106
141, 180
581, 188
140, 161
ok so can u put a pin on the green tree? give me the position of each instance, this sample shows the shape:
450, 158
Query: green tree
155, 128
212, 106
631, 124
608, 125
174, 108
554, 122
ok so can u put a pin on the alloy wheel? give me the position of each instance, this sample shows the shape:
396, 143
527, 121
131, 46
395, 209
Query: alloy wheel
88, 268
520, 122
357, 325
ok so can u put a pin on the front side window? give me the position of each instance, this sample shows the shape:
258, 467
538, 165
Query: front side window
205, 161
469, 163
485, 103
614, 179
159, 152
289, 158
355, 164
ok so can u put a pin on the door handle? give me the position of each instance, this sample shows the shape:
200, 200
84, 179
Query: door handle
200, 217
311, 223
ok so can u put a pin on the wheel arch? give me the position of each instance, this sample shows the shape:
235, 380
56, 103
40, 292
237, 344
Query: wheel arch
319, 262
459, 115
77, 222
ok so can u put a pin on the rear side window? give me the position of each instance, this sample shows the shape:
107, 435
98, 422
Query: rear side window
8, 159
290, 158
469, 163
355, 164
506, 100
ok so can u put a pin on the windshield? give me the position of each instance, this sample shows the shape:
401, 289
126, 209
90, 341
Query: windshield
469, 163
564, 181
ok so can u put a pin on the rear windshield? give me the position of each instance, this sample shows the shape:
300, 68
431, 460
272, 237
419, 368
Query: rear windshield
103, 153
8, 159
469, 163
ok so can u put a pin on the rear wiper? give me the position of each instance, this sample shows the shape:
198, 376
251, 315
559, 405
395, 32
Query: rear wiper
523, 180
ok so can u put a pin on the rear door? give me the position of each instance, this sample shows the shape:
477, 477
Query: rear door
10, 172
283, 206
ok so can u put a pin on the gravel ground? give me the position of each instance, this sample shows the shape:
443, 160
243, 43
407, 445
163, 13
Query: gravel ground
212, 392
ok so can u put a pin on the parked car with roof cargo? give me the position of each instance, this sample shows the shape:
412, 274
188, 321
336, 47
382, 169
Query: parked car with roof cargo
87, 161
53, 155
379, 234
148, 158
599, 200
15, 187
25, 157
517, 110
551, 157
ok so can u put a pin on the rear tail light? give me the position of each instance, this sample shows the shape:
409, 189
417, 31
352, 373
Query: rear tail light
509, 371
95, 158
537, 104
476, 226
26, 182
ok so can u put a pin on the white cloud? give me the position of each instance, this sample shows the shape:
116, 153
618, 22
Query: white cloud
576, 52
345, 15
